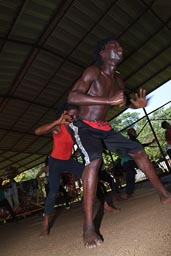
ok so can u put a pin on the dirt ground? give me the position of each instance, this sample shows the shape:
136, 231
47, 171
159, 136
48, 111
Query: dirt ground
142, 228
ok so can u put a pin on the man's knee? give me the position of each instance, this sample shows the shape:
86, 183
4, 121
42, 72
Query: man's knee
95, 164
139, 155
92, 168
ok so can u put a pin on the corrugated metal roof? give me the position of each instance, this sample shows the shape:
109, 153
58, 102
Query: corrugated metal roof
44, 47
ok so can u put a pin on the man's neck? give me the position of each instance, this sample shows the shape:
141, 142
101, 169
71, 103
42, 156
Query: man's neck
108, 72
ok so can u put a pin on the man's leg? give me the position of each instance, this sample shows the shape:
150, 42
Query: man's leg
130, 177
15, 195
66, 197
54, 181
45, 228
90, 177
6, 204
147, 167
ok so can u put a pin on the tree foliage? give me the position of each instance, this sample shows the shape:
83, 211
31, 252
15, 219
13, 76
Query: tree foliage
144, 131
124, 120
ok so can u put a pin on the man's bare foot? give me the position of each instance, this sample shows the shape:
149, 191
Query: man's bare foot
109, 208
166, 200
91, 239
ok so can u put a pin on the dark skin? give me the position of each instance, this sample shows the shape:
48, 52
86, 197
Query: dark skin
97, 90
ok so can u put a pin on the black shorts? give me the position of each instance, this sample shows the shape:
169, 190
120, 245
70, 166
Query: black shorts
91, 141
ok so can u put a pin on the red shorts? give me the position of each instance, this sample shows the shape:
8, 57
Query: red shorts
100, 125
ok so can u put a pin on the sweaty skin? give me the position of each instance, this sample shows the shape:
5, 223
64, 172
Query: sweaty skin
99, 88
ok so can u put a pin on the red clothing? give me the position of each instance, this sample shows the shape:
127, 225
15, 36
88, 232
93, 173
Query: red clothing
62, 144
100, 125
168, 136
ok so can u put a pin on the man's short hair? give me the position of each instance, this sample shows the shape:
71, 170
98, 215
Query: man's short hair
65, 106
100, 46
129, 131
163, 124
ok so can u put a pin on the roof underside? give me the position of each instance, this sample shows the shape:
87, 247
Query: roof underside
45, 46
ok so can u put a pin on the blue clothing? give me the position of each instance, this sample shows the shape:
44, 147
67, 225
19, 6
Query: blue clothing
2, 197
129, 168
4, 203
56, 168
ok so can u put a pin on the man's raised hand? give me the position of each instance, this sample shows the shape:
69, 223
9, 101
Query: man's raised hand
140, 100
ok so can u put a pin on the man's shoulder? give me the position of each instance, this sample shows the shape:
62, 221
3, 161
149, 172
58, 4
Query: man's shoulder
93, 69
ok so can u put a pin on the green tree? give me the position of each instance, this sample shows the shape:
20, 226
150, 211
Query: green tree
125, 120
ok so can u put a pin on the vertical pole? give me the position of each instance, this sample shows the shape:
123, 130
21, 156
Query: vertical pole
111, 157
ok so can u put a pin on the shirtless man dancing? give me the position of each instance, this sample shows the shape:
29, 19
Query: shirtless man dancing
95, 92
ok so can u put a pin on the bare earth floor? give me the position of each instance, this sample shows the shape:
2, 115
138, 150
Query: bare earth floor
142, 228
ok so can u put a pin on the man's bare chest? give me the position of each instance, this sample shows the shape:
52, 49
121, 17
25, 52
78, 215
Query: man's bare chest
105, 86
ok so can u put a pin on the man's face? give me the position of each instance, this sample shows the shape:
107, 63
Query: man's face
72, 113
132, 133
112, 52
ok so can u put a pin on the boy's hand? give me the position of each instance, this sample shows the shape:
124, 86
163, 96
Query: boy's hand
65, 118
